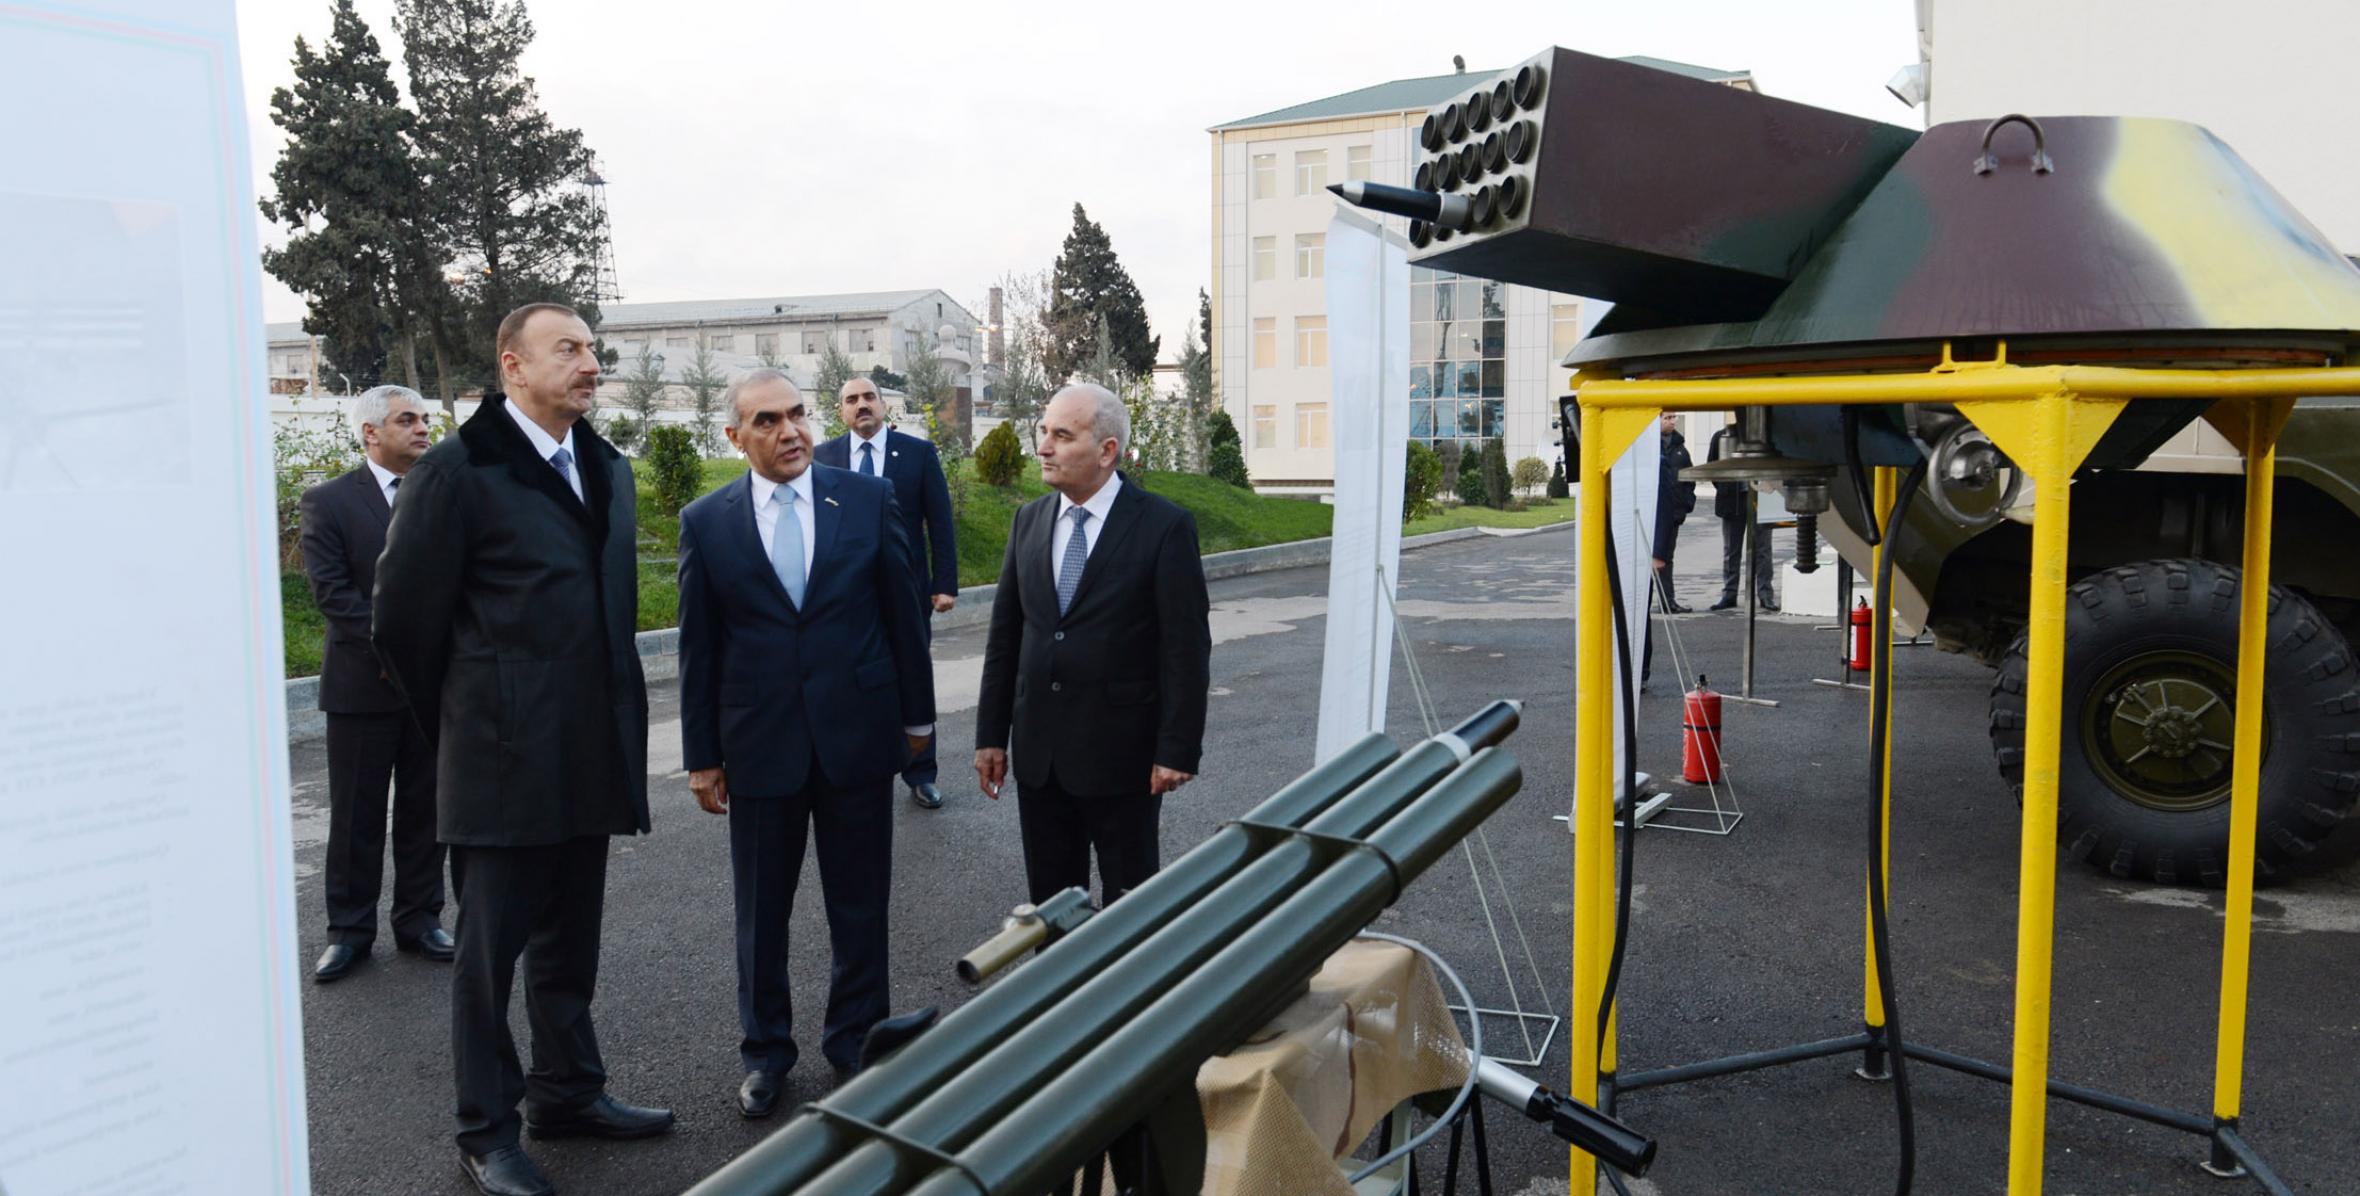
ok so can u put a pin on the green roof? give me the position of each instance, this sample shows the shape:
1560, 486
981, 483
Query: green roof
1407, 95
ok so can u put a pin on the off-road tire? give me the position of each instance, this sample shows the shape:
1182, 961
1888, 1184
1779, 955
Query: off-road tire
2310, 774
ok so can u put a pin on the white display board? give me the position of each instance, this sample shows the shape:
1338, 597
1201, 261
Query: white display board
150, 1036
1368, 359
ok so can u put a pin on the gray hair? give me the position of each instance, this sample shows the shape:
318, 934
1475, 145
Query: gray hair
375, 406
751, 378
1109, 419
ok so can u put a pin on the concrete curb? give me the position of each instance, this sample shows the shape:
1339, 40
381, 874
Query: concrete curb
659, 650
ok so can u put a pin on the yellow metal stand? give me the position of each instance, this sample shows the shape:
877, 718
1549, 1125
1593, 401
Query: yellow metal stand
2046, 419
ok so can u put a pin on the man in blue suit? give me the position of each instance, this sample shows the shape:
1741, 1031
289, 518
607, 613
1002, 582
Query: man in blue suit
804, 686
872, 447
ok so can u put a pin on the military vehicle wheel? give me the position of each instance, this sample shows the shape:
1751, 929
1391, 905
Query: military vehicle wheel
2150, 683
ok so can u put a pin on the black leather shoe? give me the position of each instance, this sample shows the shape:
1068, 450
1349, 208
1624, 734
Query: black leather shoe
758, 1096
1768, 604
508, 1171
605, 1117
337, 962
435, 944
927, 795
1677, 609
1725, 604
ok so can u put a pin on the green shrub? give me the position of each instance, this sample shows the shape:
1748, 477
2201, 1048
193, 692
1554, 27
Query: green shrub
1448, 453
622, 431
1531, 472
673, 466
1226, 460
999, 458
1421, 481
1496, 479
1471, 491
1558, 488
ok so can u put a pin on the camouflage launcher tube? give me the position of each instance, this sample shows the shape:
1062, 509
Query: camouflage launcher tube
1125, 1075
807, 1145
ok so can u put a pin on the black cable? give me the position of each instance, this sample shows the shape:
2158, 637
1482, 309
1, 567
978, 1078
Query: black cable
1880, 690
1630, 786
1868, 510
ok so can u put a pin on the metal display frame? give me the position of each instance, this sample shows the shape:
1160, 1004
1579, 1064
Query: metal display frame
2046, 419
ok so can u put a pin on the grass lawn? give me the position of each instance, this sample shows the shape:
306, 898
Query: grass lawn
1226, 518
1540, 512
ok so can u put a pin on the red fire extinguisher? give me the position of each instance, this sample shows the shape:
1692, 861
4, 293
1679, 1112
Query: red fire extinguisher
1860, 626
1700, 735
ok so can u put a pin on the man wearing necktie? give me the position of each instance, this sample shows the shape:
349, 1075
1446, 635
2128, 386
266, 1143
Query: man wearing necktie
373, 743
506, 610
871, 446
1096, 668
804, 686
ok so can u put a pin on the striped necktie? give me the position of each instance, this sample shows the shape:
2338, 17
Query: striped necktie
1077, 554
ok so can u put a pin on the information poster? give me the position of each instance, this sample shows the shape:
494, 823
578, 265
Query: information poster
149, 1023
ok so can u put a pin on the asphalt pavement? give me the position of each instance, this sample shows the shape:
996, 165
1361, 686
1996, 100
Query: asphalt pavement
1740, 942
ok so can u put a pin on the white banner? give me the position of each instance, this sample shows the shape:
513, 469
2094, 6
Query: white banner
150, 1036
1368, 359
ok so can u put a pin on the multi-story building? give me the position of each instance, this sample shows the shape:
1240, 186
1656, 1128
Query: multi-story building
1483, 354
877, 328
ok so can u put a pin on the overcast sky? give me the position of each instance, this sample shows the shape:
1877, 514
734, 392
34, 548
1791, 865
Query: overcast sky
758, 148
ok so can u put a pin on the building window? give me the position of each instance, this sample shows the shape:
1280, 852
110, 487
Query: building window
1310, 255
724, 342
1457, 358
1356, 161
1310, 171
1265, 175
675, 342
1310, 341
1265, 342
1311, 424
765, 345
864, 340
1266, 427
1565, 328
1265, 258
634, 348
815, 341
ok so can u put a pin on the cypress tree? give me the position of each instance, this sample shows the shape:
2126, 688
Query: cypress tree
1088, 284
346, 185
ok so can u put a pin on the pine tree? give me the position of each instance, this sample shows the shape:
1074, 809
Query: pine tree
347, 186
1089, 283
835, 369
705, 382
1196, 377
499, 178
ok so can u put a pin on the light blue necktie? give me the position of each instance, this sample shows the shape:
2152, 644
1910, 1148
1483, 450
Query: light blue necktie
786, 545
868, 459
564, 461
1077, 554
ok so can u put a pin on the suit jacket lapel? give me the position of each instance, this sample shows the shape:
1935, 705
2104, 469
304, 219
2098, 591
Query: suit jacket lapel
372, 496
1118, 521
740, 517
826, 518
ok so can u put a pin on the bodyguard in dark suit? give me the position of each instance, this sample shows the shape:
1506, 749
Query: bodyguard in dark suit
1673, 500
1732, 504
872, 447
1095, 671
506, 609
373, 743
804, 685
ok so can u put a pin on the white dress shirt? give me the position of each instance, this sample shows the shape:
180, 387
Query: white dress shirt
385, 480
766, 517
766, 522
877, 446
547, 446
1098, 505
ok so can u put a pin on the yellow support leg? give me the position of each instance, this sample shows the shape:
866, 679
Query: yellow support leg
1886, 491
2258, 422
1605, 434
1593, 719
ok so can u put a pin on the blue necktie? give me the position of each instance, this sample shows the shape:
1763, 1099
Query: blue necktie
786, 545
1077, 554
868, 459
563, 459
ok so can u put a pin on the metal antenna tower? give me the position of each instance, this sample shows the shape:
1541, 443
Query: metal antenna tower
605, 289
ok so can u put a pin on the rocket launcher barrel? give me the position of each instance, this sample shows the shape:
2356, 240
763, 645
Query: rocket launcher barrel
968, 1103
809, 1143
1124, 1075
1029, 927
